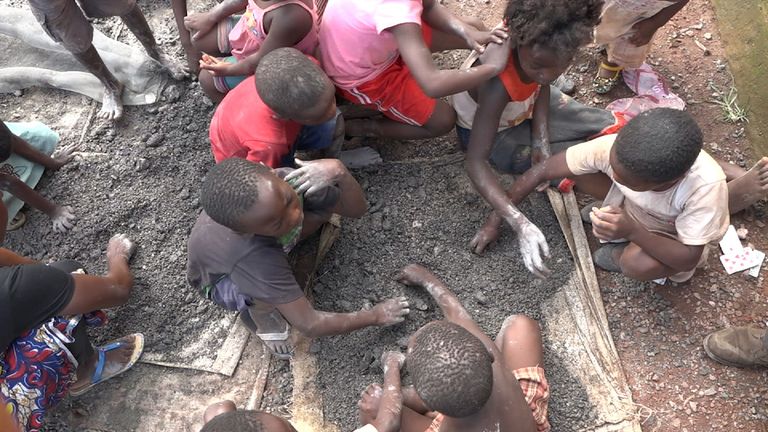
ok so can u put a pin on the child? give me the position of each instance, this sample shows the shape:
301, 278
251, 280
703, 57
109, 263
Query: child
252, 217
378, 52
288, 105
511, 112
24, 155
225, 417
44, 348
474, 383
66, 23
627, 28
664, 197
265, 26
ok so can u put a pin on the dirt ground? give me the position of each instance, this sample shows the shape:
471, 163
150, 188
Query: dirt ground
151, 193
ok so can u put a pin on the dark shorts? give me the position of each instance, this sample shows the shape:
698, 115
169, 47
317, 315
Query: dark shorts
66, 23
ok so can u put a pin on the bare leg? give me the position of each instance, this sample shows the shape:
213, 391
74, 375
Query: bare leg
193, 54
749, 187
115, 360
209, 88
138, 25
596, 185
442, 121
111, 105
519, 341
638, 265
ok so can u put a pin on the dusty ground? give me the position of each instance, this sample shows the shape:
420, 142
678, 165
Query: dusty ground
658, 330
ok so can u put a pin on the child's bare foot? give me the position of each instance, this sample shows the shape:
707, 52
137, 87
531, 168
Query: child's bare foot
177, 69
119, 356
63, 218
369, 402
749, 188
217, 409
112, 103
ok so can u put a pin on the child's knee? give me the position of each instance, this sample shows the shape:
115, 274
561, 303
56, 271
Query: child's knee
520, 325
442, 121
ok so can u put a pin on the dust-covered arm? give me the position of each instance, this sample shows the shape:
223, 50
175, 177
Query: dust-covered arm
313, 323
540, 125
391, 406
440, 18
23, 149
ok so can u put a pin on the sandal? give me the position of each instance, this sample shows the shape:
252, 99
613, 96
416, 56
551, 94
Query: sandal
602, 85
606, 259
17, 222
282, 337
99, 376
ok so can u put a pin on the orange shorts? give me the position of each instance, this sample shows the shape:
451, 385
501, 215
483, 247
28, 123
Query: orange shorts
536, 391
395, 93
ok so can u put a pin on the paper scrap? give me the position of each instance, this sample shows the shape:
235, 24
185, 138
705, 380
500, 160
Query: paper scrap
731, 243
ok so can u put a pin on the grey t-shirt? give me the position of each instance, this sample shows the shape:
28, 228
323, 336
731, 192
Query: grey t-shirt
256, 264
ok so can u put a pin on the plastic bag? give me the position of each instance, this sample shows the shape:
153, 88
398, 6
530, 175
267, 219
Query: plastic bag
652, 92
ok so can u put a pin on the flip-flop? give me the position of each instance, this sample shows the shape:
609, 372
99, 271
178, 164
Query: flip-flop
98, 374
602, 85
17, 222
276, 337
605, 258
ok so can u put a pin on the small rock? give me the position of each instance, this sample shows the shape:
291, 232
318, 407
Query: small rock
172, 93
403, 342
709, 392
420, 305
314, 347
708, 36
481, 298
704, 371
155, 140
742, 232
759, 224
345, 305
152, 110
642, 330
141, 164
386, 224
18, 93
184, 194
694, 406
365, 362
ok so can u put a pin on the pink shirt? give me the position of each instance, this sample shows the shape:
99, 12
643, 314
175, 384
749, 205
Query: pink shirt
354, 44
248, 34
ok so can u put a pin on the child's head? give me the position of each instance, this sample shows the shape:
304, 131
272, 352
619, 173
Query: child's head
451, 369
249, 198
295, 87
655, 149
6, 141
548, 34
247, 421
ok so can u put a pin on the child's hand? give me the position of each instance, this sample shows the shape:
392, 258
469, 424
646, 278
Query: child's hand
391, 312
313, 176
392, 359
497, 55
218, 67
65, 155
611, 223
120, 246
63, 218
487, 234
533, 245
199, 24
414, 275
478, 39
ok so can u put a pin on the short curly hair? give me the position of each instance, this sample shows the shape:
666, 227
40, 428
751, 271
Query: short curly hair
289, 82
562, 25
240, 420
230, 189
659, 145
451, 369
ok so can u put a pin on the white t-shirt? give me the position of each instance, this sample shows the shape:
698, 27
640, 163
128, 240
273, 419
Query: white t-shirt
695, 209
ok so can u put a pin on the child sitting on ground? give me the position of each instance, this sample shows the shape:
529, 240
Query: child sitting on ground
288, 105
512, 112
626, 29
225, 417
265, 26
664, 198
252, 218
378, 52
472, 382
25, 150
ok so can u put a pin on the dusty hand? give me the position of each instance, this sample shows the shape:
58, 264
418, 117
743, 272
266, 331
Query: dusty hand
392, 311
218, 67
199, 24
477, 39
643, 32
65, 155
63, 218
414, 275
497, 55
120, 246
533, 245
392, 359
611, 223
313, 176
485, 236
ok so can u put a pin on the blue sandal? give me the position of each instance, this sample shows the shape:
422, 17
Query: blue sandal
98, 374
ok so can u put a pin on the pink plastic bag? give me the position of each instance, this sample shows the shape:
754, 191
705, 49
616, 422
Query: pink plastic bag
652, 92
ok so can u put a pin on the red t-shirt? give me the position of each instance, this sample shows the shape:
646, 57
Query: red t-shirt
243, 126
518, 90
